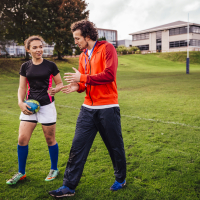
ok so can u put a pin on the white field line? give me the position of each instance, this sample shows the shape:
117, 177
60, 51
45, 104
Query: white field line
134, 117
164, 122
141, 118
11, 113
68, 107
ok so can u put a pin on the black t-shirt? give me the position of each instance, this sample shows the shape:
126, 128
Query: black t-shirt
39, 80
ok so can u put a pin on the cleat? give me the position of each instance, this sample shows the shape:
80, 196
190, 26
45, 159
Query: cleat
52, 175
116, 186
63, 191
17, 177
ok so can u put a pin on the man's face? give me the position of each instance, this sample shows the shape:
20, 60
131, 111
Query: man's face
80, 40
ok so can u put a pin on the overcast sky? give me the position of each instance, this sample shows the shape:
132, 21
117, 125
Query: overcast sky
128, 16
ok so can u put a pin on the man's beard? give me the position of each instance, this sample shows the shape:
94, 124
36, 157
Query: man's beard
84, 47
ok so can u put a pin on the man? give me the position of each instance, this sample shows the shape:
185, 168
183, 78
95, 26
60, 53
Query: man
100, 110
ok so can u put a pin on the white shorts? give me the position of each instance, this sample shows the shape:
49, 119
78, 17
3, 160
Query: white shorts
47, 114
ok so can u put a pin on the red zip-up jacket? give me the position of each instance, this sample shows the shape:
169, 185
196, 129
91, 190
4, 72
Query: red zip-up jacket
99, 79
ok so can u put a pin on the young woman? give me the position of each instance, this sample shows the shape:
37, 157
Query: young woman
37, 74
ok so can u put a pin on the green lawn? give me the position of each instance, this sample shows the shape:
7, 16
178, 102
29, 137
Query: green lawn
160, 117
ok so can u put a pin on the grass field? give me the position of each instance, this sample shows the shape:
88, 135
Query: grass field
160, 116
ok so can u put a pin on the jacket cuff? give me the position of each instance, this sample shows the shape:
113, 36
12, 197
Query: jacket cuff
81, 87
83, 78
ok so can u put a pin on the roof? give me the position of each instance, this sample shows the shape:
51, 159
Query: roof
165, 27
125, 40
105, 29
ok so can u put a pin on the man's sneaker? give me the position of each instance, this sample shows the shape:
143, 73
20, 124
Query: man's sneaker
52, 175
63, 191
116, 186
17, 177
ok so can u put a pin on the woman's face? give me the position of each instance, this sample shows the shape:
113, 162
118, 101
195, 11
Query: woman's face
36, 49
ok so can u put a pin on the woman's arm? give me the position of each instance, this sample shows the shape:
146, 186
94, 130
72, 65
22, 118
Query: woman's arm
58, 81
21, 95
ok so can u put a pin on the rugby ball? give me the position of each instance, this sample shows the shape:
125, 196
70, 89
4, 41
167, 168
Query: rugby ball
35, 105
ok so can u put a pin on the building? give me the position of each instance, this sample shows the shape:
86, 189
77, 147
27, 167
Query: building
167, 38
15, 50
19, 51
110, 35
126, 43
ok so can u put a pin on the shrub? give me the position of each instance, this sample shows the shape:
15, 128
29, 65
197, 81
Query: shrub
133, 48
69, 52
121, 49
138, 52
124, 50
78, 51
102, 38
55, 53
130, 52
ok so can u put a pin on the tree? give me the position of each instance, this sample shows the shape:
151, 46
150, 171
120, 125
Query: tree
102, 38
15, 19
3, 41
50, 19
62, 13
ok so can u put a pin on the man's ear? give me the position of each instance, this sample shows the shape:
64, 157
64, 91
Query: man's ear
87, 38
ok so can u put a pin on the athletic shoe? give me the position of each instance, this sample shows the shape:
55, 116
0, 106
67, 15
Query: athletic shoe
52, 175
17, 177
116, 186
63, 191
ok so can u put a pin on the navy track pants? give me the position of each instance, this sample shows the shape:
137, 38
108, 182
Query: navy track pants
89, 122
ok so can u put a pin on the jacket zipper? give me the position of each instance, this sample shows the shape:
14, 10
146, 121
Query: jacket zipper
90, 74
90, 85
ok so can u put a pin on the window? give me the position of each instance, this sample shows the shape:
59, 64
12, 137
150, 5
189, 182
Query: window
192, 43
158, 34
195, 29
171, 45
158, 41
183, 43
195, 43
178, 31
177, 44
142, 36
138, 37
143, 47
134, 37
183, 30
171, 31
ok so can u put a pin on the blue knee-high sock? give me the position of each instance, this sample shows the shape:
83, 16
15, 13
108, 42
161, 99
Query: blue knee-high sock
22, 156
53, 152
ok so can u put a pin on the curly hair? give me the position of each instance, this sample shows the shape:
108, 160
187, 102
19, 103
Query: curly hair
87, 28
30, 39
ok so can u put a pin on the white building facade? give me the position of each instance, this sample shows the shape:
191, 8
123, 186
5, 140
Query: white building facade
110, 35
15, 50
126, 43
168, 38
